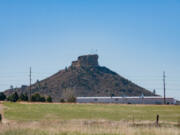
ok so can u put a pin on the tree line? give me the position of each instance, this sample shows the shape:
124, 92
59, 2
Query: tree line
24, 97
35, 98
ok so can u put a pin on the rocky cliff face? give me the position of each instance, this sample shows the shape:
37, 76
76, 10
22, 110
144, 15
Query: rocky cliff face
86, 61
85, 78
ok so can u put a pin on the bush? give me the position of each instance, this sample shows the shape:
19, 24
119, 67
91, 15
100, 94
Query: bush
49, 99
23, 97
62, 100
42, 99
2, 96
37, 98
71, 99
14, 97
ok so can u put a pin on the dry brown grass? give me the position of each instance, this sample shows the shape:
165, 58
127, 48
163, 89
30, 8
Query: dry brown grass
95, 127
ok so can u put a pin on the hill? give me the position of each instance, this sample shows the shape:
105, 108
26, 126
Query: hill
85, 77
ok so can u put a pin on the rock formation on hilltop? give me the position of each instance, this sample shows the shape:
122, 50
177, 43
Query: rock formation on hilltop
86, 61
85, 78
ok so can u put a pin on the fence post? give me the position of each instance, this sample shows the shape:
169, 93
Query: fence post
157, 120
0, 118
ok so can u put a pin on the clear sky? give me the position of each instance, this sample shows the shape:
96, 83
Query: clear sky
138, 39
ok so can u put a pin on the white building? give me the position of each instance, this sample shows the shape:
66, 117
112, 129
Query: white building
126, 100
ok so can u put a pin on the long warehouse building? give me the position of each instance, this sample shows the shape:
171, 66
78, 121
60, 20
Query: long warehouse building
126, 100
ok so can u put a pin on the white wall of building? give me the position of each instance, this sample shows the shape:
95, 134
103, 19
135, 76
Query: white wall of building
126, 100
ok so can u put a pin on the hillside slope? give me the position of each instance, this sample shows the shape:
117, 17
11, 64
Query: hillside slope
85, 78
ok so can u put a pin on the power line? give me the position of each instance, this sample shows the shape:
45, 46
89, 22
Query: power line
30, 85
164, 84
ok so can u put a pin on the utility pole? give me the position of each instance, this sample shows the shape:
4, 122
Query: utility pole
164, 84
30, 84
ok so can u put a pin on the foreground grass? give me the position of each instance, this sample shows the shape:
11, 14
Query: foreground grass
85, 127
114, 112
40, 132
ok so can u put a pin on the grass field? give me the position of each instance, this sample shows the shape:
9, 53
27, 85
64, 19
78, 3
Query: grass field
113, 112
89, 119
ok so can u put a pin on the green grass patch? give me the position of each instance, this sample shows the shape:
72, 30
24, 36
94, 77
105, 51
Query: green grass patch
115, 112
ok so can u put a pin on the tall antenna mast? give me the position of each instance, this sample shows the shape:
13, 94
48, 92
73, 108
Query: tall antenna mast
164, 84
30, 84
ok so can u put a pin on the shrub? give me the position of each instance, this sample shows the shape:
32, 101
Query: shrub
71, 99
23, 97
49, 99
2, 96
62, 100
37, 98
14, 97
42, 99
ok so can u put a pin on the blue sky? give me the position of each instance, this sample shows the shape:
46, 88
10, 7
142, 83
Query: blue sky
137, 39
